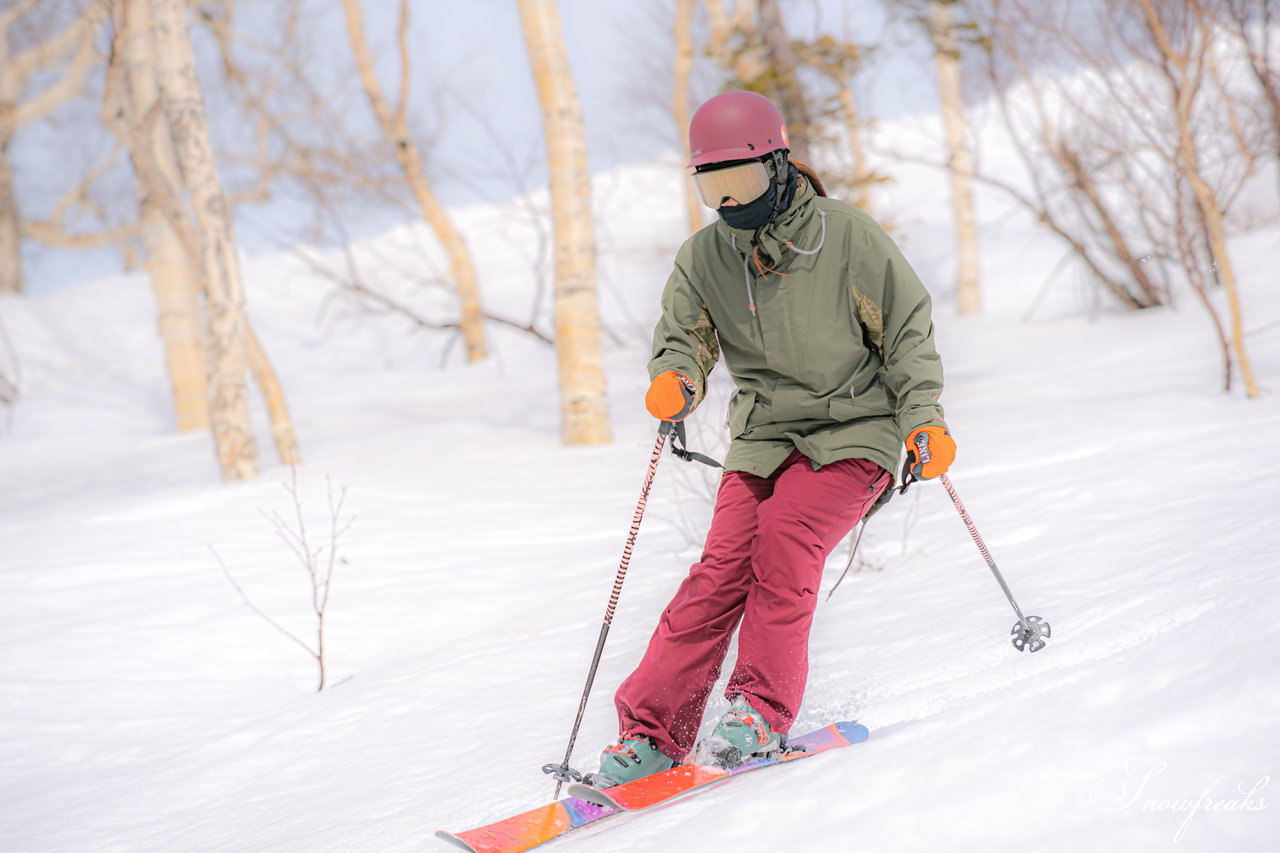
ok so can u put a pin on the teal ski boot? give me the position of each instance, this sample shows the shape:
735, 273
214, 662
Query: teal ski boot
741, 733
632, 757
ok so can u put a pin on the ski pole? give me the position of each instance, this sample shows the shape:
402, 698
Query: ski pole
1030, 632
563, 772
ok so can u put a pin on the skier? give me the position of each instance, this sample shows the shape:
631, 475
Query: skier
827, 333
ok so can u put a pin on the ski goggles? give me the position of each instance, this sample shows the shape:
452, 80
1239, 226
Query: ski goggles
743, 182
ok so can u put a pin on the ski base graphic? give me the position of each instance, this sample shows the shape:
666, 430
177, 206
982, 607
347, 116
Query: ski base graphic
587, 805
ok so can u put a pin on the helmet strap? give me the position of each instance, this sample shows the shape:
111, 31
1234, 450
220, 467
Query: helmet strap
759, 213
780, 169
781, 177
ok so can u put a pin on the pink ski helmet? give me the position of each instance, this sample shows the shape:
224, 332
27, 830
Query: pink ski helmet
735, 126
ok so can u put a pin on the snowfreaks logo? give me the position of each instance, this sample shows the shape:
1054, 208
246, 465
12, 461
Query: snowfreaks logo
1114, 795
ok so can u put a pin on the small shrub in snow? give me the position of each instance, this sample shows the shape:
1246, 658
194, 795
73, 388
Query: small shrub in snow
317, 560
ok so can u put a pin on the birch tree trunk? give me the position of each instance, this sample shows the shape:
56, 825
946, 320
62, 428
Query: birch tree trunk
10, 234
583, 409
752, 44
282, 433
785, 79
11, 84
132, 109
747, 64
1208, 203
396, 130
180, 320
680, 107
853, 123
183, 105
959, 162
1178, 70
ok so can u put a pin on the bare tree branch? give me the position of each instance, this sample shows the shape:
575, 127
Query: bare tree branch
318, 567
248, 601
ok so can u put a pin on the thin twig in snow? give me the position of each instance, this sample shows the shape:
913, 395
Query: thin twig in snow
245, 598
296, 539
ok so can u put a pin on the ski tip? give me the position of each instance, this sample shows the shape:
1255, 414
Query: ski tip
592, 794
454, 840
853, 732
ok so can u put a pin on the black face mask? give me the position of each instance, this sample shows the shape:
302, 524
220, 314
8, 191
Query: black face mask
764, 209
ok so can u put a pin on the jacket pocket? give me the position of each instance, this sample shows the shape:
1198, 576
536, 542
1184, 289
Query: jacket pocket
873, 402
740, 406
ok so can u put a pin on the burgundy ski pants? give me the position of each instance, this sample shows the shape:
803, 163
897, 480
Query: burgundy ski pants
761, 567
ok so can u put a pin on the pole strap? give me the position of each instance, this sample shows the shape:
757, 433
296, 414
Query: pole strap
680, 446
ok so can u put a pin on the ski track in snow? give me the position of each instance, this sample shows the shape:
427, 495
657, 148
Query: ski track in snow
144, 707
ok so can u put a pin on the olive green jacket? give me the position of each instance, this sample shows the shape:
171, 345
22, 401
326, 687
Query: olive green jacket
836, 359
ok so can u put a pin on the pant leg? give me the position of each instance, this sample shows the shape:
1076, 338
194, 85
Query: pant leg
666, 695
806, 516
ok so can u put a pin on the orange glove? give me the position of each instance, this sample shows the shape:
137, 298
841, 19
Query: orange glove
940, 448
670, 396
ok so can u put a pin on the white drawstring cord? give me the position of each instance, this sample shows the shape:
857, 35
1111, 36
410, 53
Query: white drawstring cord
746, 274
746, 258
822, 214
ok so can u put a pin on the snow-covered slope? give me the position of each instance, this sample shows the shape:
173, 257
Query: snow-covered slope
143, 706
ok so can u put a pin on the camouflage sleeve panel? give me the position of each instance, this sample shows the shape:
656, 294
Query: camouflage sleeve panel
704, 332
871, 316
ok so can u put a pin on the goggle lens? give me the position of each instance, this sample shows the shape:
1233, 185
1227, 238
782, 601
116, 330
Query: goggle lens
743, 183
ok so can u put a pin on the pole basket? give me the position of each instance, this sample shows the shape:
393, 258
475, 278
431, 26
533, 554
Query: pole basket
1030, 633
